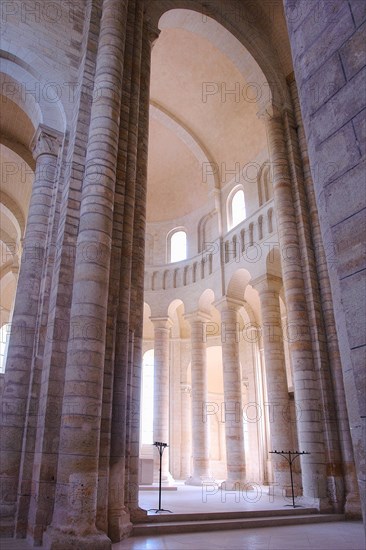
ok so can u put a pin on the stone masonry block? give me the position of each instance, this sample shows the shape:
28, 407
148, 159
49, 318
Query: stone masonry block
354, 303
353, 52
359, 124
350, 237
341, 108
346, 195
341, 150
325, 45
323, 84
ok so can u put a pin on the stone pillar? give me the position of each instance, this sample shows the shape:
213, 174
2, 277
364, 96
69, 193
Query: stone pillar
74, 516
200, 425
162, 326
149, 35
268, 288
46, 145
306, 385
232, 411
186, 422
352, 504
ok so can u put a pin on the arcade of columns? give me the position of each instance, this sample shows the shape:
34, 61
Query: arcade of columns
70, 435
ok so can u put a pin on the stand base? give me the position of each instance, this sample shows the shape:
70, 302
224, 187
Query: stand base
294, 505
157, 510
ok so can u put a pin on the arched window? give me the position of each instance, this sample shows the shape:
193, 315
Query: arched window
147, 398
178, 246
237, 210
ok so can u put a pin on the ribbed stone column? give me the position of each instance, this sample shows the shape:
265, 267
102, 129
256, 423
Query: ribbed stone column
186, 423
149, 35
123, 412
200, 426
352, 504
162, 326
232, 411
46, 145
268, 288
306, 386
74, 517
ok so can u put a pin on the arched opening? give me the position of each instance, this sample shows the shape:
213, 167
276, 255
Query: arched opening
178, 246
237, 208
147, 398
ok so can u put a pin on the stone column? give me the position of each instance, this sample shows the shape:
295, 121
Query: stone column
268, 288
200, 426
232, 412
352, 504
306, 386
74, 517
185, 441
46, 145
162, 326
149, 35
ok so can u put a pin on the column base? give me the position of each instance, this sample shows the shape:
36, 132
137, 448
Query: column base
236, 485
198, 481
119, 527
352, 507
166, 479
55, 539
138, 514
7, 520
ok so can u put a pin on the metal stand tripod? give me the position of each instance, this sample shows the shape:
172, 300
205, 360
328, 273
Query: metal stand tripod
290, 457
160, 446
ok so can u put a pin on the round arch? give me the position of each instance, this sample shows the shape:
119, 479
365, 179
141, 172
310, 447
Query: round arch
246, 45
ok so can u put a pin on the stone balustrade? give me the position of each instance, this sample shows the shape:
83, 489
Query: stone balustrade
234, 247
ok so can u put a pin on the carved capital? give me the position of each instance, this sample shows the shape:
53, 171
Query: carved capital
267, 283
186, 388
152, 32
46, 141
162, 322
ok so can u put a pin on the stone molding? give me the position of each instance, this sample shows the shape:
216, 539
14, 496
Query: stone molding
46, 141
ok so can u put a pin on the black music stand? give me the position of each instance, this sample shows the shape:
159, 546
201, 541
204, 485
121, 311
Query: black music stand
290, 458
161, 447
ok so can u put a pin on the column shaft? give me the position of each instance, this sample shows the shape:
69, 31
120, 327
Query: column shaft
200, 426
161, 392
118, 516
77, 481
232, 412
149, 34
15, 399
186, 427
309, 421
335, 383
277, 388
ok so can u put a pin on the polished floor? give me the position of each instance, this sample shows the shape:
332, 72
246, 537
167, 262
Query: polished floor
210, 498
343, 535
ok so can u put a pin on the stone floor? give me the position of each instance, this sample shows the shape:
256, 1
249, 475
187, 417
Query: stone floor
210, 498
343, 535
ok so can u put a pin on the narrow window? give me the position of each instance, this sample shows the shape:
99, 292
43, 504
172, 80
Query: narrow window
237, 208
147, 398
178, 246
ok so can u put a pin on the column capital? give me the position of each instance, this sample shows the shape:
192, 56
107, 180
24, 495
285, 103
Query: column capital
162, 322
226, 303
46, 141
186, 388
269, 111
267, 283
197, 316
152, 32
